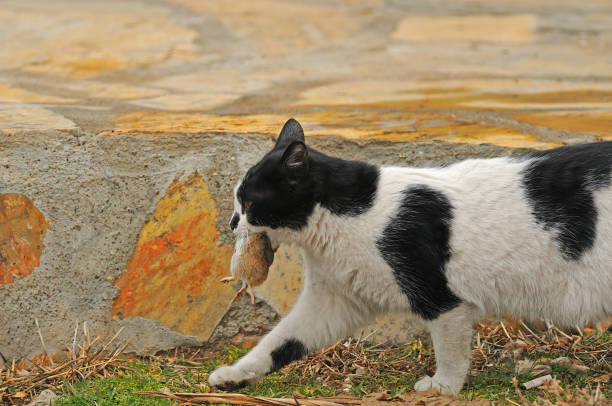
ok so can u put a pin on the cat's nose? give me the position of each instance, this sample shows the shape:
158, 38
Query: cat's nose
234, 221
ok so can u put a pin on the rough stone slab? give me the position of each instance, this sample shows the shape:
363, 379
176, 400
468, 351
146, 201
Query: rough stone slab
126, 126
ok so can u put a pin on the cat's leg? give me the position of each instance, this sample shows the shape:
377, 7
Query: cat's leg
451, 334
319, 318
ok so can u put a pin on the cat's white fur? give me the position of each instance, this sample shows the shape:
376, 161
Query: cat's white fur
513, 269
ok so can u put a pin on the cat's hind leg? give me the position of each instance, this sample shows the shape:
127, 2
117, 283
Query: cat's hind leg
320, 317
451, 334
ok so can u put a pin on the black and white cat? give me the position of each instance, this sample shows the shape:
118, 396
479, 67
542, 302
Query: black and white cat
527, 237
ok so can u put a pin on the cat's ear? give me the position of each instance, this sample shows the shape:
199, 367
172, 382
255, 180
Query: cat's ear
295, 161
292, 131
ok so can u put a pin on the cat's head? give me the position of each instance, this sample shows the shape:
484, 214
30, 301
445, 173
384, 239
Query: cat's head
278, 191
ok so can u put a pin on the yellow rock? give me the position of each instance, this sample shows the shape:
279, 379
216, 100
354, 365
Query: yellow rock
174, 273
483, 28
395, 126
189, 101
160, 122
597, 123
276, 27
483, 93
227, 80
90, 38
118, 91
9, 94
504, 137
14, 119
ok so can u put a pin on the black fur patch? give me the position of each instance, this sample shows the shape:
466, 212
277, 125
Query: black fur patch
291, 350
234, 221
415, 244
346, 188
232, 386
292, 131
560, 185
278, 198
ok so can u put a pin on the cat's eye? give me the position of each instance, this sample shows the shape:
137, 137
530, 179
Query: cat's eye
248, 204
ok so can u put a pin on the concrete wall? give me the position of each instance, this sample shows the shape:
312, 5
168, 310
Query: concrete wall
124, 126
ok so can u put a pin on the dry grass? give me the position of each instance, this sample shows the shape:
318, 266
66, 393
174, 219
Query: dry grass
351, 369
22, 380
349, 360
494, 341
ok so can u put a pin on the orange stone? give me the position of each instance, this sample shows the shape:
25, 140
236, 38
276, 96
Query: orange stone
173, 276
480, 28
597, 123
394, 126
22, 230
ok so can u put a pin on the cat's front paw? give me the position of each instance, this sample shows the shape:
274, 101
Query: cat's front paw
429, 382
231, 377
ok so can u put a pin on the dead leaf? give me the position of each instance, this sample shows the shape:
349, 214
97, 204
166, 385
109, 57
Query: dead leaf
603, 378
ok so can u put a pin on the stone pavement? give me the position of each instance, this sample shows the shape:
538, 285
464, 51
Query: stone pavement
124, 125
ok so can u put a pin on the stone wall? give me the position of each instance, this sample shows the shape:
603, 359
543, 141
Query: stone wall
124, 126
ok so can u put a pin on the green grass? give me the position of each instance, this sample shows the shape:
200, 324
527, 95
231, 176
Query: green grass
281, 384
119, 389
393, 384
494, 384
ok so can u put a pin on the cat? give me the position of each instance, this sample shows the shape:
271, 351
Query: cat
523, 237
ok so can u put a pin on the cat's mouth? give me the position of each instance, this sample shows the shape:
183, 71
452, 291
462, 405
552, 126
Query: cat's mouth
244, 232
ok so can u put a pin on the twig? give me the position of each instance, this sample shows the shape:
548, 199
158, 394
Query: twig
505, 331
42, 341
76, 328
86, 333
369, 335
562, 333
107, 344
532, 333
194, 355
240, 399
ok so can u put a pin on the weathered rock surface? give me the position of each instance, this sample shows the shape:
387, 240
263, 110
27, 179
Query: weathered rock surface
124, 126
